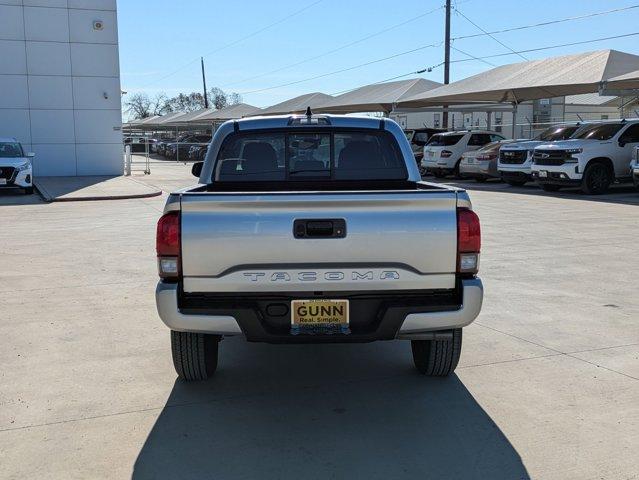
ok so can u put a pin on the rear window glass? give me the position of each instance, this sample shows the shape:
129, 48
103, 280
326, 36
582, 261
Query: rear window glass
301, 155
444, 140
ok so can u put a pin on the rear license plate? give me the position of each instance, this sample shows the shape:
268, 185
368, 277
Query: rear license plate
431, 154
3, 181
470, 161
543, 174
319, 315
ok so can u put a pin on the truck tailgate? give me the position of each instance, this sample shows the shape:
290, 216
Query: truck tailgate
393, 241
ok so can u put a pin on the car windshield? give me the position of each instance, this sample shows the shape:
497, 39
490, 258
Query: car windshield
603, 131
554, 134
444, 140
10, 150
296, 155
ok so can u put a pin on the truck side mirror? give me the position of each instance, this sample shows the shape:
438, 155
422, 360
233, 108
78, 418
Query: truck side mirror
196, 169
30, 155
622, 142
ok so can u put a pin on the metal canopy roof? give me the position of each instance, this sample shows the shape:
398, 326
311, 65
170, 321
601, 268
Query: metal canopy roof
230, 113
377, 97
191, 116
592, 99
627, 81
298, 104
547, 78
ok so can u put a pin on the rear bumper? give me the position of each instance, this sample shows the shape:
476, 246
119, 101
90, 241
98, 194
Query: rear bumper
374, 316
483, 169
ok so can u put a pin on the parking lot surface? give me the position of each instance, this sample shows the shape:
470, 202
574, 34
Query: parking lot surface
547, 387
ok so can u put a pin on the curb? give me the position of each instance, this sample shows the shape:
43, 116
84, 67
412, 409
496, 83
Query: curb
47, 197
111, 197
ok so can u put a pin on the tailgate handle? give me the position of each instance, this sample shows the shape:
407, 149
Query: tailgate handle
320, 228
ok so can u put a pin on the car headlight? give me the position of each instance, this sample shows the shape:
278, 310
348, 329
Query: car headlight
570, 152
24, 166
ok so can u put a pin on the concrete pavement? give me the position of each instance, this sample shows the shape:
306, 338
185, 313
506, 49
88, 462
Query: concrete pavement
547, 387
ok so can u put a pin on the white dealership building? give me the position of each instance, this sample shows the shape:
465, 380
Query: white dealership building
60, 84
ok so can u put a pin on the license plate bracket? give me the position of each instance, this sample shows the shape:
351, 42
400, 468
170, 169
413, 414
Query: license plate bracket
320, 316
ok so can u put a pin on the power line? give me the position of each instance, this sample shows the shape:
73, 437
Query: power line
235, 42
343, 69
417, 72
487, 33
473, 57
337, 49
550, 22
549, 47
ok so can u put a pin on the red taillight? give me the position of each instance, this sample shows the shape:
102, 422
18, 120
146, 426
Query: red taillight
167, 245
446, 153
468, 241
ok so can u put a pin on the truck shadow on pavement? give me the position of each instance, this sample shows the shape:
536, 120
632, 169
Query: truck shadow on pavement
324, 411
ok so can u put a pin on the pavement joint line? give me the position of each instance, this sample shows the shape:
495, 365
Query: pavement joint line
510, 361
234, 397
571, 355
73, 286
389, 377
189, 404
602, 348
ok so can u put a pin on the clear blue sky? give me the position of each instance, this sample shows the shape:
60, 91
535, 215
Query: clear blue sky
157, 38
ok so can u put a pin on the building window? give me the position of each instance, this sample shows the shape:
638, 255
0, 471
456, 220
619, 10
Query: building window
436, 120
604, 117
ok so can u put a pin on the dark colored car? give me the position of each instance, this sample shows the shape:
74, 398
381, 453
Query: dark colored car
180, 150
418, 137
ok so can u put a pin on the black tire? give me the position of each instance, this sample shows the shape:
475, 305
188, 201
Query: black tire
28, 191
515, 183
194, 354
437, 358
438, 174
549, 187
456, 173
597, 179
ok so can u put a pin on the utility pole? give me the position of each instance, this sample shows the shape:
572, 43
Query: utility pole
446, 61
206, 97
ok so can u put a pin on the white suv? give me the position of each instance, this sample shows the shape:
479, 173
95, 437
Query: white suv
515, 159
443, 152
15, 166
595, 157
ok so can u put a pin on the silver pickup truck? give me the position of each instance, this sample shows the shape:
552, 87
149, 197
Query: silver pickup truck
314, 229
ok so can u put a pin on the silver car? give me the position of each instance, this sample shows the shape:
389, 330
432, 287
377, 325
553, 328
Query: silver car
482, 164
